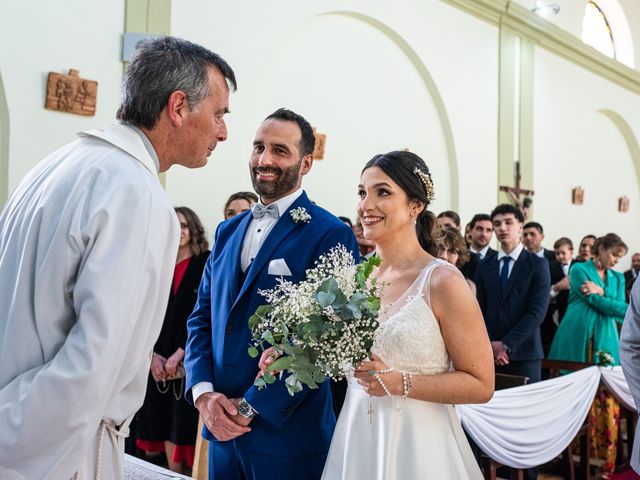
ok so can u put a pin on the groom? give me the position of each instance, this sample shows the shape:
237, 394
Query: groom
261, 434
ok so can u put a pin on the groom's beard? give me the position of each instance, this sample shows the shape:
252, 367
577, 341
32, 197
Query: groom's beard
285, 182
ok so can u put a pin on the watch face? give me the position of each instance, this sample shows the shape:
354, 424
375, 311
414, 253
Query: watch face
245, 409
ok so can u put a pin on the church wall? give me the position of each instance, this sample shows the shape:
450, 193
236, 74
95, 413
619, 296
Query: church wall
55, 36
422, 76
576, 144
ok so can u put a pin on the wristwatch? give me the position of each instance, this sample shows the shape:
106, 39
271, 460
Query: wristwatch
245, 410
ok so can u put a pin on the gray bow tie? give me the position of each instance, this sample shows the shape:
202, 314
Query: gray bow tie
258, 211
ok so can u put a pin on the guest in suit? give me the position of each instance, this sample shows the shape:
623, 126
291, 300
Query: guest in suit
167, 422
513, 293
630, 360
596, 306
532, 237
584, 251
481, 233
631, 274
563, 248
237, 203
261, 434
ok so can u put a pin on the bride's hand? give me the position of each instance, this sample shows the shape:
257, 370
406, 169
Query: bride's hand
269, 356
364, 373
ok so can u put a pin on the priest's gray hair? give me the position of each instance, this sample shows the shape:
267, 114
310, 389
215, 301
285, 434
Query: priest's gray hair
158, 68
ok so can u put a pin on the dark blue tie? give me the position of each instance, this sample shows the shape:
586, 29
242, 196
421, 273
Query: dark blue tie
259, 211
504, 272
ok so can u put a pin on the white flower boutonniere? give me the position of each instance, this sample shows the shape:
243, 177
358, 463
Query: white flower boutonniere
300, 214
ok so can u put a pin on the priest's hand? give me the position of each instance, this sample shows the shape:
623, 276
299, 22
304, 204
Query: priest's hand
157, 367
218, 413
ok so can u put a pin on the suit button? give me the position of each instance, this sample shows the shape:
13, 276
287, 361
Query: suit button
229, 329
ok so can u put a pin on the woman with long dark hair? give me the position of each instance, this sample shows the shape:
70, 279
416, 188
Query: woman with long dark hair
431, 349
167, 422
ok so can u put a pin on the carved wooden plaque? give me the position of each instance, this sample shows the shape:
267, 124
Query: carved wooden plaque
318, 151
577, 196
623, 204
71, 94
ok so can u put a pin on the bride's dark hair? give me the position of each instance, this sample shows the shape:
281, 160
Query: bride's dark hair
401, 166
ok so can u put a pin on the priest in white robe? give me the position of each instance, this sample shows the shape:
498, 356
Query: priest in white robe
88, 243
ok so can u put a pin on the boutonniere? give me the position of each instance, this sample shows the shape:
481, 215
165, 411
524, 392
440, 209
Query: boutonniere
300, 214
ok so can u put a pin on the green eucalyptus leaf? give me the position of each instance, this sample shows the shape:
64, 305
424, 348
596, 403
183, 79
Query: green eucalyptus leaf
268, 336
325, 298
260, 383
253, 352
268, 378
280, 364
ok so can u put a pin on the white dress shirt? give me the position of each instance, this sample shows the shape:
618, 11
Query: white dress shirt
482, 253
515, 254
259, 229
257, 232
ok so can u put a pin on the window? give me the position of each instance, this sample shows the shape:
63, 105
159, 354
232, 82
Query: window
605, 28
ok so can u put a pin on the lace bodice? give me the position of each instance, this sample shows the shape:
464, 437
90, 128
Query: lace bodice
409, 336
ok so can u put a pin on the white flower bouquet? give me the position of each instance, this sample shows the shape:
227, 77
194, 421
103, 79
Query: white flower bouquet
320, 326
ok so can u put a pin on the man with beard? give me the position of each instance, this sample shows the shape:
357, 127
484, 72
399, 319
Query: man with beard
260, 434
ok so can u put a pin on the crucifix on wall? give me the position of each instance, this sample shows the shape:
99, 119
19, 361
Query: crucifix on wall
515, 192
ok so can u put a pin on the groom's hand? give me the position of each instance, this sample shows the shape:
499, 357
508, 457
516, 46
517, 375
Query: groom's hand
218, 414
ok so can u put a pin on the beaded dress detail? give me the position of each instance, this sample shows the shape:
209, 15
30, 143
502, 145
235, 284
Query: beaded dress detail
423, 440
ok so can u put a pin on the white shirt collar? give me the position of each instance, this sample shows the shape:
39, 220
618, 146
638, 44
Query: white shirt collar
285, 202
482, 252
515, 253
540, 253
147, 144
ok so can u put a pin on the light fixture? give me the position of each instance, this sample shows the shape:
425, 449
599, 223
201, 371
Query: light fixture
543, 9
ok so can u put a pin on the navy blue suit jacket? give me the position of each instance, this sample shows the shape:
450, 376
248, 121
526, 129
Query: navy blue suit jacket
514, 316
219, 334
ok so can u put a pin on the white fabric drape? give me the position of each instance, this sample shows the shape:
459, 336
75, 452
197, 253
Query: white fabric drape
614, 380
526, 426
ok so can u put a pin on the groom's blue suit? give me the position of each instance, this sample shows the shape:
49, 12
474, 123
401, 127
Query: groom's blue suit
290, 436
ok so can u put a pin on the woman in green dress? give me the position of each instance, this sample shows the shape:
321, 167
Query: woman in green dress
596, 305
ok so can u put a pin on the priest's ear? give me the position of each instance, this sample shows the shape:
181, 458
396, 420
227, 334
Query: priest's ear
178, 107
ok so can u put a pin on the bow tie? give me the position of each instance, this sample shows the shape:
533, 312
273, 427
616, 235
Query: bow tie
258, 211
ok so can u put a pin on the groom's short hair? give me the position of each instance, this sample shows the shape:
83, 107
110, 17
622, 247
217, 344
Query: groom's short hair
307, 138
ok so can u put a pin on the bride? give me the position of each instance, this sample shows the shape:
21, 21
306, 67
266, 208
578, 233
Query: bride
431, 349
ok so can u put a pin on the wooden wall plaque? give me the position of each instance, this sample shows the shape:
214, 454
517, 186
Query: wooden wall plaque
71, 94
318, 151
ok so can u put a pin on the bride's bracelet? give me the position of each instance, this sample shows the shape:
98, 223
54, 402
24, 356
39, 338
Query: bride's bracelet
407, 384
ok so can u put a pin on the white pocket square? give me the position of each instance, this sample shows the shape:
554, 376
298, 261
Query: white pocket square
279, 267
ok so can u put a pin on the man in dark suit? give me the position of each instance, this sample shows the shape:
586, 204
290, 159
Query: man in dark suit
513, 293
631, 274
481, 231
261, 434
532, 237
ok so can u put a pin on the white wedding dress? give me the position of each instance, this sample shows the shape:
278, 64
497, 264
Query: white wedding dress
423, 440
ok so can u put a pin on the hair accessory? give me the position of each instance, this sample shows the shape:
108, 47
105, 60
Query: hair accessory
428, 184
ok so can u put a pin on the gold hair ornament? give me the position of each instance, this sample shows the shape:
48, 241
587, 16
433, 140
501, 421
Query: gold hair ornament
428, 184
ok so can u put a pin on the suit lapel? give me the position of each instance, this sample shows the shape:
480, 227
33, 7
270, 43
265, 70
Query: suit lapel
280, 231
233, 256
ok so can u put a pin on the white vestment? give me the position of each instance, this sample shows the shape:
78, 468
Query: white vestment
88, 243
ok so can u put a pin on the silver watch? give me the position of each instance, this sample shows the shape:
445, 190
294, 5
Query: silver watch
245, 410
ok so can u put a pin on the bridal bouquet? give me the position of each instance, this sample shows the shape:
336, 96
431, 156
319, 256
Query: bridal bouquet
319, 326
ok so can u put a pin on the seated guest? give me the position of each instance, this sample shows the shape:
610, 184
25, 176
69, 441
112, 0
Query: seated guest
449, 218
631, 274
452, 249
563, 248
596, 307
167, 422
584, 250
237, 203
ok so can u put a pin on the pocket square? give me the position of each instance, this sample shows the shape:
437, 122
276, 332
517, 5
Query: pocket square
279, 267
